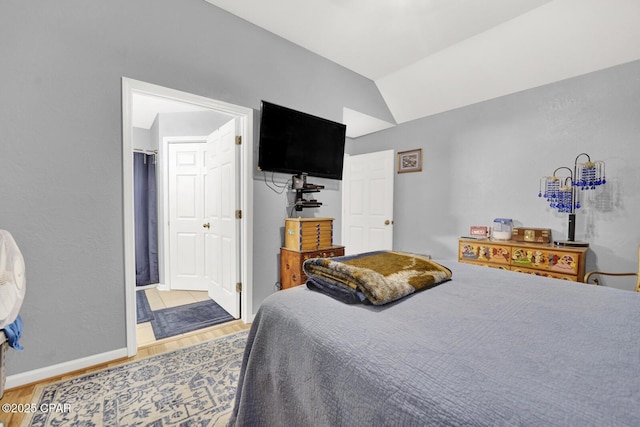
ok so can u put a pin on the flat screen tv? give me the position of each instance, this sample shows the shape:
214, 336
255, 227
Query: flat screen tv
299, 143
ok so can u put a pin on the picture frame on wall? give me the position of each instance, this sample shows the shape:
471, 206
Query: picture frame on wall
410, 161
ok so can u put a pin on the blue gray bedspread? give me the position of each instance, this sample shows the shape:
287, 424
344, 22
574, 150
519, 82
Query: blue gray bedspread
488, 348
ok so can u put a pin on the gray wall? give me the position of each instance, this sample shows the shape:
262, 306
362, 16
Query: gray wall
61, 144
485, 161
141, 140
197, 123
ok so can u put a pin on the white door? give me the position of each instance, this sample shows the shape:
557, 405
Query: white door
367, 202
221, 236
186, 216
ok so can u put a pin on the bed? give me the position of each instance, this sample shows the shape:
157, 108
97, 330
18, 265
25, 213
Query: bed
489, 347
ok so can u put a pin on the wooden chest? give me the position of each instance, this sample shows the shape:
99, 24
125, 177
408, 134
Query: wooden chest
307, 234
291, 273
538, 235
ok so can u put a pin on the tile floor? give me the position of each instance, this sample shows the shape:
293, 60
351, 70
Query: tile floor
165, 299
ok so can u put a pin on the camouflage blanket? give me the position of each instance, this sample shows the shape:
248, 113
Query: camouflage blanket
374, 277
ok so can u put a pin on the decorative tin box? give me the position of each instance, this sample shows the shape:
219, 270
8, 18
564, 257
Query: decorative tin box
538, 235
479, 231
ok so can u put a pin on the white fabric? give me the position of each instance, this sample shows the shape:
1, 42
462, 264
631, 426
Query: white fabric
12, 279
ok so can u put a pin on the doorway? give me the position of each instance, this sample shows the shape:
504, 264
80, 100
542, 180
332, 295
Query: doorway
244, 194
367, 202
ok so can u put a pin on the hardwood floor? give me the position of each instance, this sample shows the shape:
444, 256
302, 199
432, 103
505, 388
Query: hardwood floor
24, 394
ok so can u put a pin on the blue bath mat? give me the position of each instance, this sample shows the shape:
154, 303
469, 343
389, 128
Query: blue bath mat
143, 309
168, 322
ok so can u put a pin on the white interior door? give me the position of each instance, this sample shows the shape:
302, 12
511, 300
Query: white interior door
367, 202
186, 174
221, 237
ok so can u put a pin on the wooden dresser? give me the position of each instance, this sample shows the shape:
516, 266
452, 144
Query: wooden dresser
542, 259
291, 273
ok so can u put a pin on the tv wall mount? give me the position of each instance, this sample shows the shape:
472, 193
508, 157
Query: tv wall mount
300, 185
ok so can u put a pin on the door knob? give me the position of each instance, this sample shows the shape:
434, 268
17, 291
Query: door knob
387, 222
206, 225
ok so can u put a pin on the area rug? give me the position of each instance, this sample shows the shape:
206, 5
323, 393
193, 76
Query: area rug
143, 309
169, 322
192, 386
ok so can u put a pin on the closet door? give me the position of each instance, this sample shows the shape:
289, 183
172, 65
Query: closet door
186, 216
367, 202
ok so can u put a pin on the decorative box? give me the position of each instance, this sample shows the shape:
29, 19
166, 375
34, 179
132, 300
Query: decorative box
308, 234
479, 232
538, 235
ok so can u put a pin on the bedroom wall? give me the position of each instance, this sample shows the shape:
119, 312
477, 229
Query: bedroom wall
61, 144
485, 161
197, 123
141, 140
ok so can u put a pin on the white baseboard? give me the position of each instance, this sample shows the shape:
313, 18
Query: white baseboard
47, 372
250, 318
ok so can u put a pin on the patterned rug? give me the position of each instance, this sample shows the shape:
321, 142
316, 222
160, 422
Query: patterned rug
192, 386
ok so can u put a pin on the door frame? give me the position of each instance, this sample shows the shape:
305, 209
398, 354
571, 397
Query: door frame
244, 115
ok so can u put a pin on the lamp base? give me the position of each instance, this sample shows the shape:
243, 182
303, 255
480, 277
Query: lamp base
571, 243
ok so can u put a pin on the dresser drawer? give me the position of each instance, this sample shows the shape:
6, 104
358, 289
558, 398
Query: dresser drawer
323, 253
552, 260
494, 253
545, 273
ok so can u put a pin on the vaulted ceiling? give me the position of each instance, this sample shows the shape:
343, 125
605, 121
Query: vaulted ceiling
430, 56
